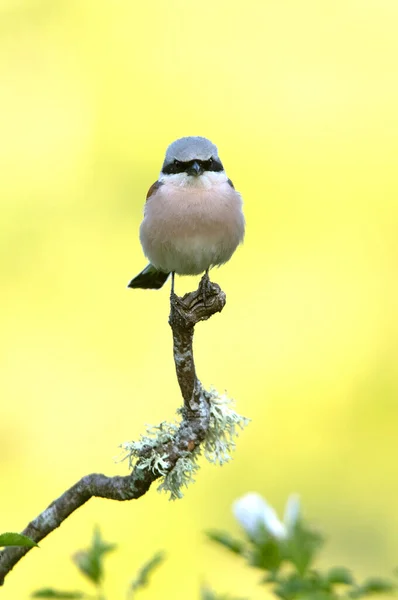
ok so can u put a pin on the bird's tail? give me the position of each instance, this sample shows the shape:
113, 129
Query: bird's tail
149, 279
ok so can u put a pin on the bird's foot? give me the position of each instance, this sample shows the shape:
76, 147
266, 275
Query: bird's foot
198, 305
205, 287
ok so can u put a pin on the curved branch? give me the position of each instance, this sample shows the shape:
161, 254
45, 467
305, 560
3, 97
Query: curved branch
185, 313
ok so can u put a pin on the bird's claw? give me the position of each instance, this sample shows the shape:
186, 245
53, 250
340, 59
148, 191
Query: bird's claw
205, 287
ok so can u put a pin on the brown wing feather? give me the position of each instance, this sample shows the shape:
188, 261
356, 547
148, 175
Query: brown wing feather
153, 189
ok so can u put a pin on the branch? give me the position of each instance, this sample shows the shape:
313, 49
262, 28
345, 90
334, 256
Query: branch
185, 313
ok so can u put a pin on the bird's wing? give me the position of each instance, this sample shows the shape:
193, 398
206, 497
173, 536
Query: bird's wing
153, 189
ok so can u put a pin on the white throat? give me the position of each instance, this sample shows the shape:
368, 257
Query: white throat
207, 180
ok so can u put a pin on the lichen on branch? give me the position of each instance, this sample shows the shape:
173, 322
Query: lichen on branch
223, 427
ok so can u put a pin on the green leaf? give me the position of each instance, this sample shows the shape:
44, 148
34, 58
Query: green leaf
207, 594
267, 555
311, 586
16, 539
90, 562
226, 540
318, 595
142, 578
301, 548
51, 593
338, 575
376, 585
292, 586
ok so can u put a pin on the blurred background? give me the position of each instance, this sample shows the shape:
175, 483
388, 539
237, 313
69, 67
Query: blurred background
301, 99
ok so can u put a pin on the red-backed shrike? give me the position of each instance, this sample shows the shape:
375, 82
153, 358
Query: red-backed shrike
193, 217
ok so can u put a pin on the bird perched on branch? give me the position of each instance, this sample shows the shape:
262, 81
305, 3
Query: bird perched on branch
193, 217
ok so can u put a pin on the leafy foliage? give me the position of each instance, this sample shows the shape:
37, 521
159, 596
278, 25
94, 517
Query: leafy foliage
16, 539
142, 578
207, 594
90, 563
226, 540
287, 551
51, 593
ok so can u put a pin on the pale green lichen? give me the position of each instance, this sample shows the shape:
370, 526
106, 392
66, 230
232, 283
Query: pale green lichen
181, 475
155, 437
224, 426
156, 463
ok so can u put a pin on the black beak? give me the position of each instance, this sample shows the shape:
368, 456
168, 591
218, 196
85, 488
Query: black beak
195, 169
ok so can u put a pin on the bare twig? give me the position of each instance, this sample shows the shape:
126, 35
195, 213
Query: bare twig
185, 313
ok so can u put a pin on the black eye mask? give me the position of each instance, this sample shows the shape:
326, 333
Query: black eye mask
178, 166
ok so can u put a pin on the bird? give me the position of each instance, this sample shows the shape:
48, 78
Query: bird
193, 218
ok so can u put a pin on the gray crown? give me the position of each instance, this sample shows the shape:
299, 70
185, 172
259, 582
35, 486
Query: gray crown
188, 148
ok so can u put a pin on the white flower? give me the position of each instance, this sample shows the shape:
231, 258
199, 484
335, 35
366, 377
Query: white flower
292, 511
253, 512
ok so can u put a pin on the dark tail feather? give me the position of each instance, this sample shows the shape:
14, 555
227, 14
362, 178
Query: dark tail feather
149, 279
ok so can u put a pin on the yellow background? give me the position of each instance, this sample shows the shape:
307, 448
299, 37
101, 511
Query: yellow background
301, 98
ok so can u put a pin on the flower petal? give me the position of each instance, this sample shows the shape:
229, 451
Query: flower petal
249, 511
252, 512
292, 511
273, 525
